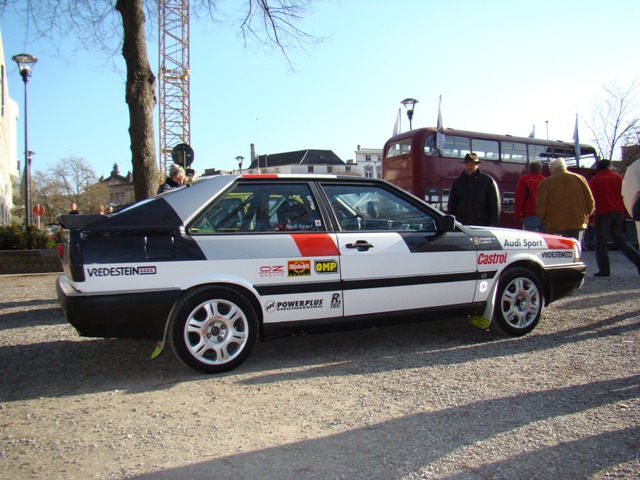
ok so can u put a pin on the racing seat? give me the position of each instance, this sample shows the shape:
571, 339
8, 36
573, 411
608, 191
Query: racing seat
291, 214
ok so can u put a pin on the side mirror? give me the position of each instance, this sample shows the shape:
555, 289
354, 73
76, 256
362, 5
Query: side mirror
447, 223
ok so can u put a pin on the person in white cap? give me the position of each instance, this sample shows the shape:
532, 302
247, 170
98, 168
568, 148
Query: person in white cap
564, 201
174, 180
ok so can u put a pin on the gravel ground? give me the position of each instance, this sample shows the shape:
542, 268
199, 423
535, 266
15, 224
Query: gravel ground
422, 401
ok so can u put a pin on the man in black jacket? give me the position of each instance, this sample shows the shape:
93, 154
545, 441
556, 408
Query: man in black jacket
473, 198
174, 180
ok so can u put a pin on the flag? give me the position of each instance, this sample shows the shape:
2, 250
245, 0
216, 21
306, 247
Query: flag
533, 132
576, 140
397, 127
440, 138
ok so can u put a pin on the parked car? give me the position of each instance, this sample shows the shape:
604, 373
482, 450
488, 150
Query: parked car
215, 266
52, 230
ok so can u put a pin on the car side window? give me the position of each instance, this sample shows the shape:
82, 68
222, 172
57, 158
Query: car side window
261, 207
370, 207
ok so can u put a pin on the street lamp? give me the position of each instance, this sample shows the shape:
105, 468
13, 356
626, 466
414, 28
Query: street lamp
240, 158
409, 104
25, 65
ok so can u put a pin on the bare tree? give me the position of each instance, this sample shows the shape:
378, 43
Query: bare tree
74, 175
273, 22
47, 192
70, 180
615, 121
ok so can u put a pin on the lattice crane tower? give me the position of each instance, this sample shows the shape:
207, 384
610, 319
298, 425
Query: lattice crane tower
173, 78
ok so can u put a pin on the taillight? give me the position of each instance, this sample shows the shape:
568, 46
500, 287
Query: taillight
60, 250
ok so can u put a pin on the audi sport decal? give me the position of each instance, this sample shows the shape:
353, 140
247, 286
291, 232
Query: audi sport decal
120, 271
315, 245
299, 268
523, 243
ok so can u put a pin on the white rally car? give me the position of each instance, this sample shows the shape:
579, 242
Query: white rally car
215, 266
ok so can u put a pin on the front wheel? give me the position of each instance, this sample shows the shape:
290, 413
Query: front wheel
213, 329
519, 301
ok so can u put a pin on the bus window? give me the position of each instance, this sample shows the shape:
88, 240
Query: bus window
568, 153
399, 148
508, 202
513, 152
456, 147
430, 145
485, 149
539, 153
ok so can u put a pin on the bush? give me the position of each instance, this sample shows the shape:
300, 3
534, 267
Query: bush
14, 237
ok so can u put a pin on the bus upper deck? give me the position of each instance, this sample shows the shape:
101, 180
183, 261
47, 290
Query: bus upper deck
414, 161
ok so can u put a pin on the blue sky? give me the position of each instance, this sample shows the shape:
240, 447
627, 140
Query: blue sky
500, 66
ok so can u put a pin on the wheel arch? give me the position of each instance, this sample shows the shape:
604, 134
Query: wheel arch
243, 290
539, 272
530, 265
250, 295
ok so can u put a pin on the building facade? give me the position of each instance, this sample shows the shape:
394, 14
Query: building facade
300, 161
121, 189
8, 144
369, 162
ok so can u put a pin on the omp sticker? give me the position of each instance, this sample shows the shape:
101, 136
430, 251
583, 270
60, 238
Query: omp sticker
325, 266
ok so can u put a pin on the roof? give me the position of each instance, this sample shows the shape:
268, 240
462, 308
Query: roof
115, 176
299, 157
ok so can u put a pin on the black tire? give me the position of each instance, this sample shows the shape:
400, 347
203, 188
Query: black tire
519, 302
213, 329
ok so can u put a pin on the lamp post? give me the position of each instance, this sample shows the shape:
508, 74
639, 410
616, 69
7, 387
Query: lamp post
240, 158
409, 104
547, 122
25, 65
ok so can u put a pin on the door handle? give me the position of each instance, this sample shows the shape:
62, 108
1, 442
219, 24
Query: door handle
360, 245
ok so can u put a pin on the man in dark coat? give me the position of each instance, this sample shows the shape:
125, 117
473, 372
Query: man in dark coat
473, 198
174, 180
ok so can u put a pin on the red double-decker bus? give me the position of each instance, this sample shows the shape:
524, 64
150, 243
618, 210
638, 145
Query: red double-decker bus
412, 161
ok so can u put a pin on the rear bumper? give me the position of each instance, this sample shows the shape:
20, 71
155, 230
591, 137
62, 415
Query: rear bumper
135, 315
563, 280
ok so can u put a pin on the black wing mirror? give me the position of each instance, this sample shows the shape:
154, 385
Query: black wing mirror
447, 223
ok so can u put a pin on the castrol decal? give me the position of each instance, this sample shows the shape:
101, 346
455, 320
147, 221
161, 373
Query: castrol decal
491, 258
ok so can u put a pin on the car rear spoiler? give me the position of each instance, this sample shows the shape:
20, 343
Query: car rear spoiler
75, 222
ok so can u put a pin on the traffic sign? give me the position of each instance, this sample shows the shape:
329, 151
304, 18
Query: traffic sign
183, 155
38, 210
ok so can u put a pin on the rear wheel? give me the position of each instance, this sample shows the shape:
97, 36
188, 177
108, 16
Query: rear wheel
519, 301
213, 329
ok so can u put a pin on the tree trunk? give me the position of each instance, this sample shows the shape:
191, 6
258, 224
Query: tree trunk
140, 98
